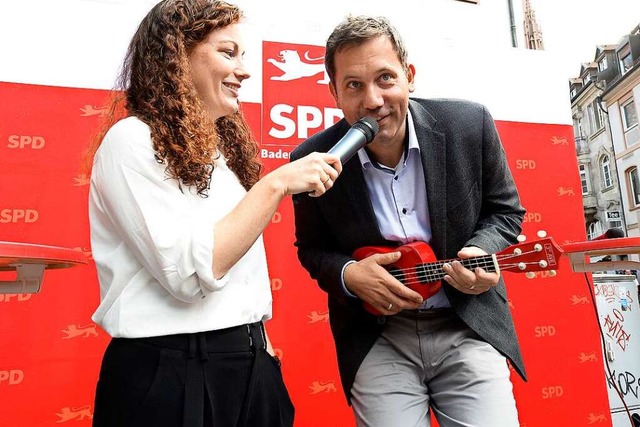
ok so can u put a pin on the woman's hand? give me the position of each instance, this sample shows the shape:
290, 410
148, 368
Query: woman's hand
314, 173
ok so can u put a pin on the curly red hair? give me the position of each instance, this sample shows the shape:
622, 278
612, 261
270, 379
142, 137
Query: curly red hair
155, 85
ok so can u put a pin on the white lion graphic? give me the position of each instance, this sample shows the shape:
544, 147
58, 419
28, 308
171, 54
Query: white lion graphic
294, 68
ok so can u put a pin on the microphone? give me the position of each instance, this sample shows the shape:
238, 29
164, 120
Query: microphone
361, 133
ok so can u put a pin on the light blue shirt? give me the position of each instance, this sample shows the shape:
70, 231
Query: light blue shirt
399, 198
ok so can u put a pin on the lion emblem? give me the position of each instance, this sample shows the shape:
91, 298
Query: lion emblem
322, 386
68, 414
293, 67
73, 331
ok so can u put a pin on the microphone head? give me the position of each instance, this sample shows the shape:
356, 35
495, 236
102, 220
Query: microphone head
368, 126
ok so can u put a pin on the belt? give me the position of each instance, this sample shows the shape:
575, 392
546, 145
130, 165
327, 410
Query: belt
237, 338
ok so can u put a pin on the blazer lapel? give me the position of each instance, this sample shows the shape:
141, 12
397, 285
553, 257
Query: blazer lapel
354, 186
434, 160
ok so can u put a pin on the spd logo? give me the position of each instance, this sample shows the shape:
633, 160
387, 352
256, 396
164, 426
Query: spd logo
26, 141
74, 331
559, 140
318, 316
11, 377
15, 297
91, 110
323, 387
587, 357
296, 100
18, 215
293, 67
565, 191
579, 299
71, 413
596, 418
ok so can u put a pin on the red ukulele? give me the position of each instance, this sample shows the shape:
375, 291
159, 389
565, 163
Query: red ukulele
419, 269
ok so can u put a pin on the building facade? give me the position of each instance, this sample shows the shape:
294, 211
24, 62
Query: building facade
604, 101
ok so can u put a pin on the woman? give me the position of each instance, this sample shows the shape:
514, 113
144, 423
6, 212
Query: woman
177, 210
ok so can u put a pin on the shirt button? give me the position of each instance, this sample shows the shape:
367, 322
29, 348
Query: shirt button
404, 211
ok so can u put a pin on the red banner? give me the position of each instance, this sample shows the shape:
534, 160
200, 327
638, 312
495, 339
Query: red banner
50, 350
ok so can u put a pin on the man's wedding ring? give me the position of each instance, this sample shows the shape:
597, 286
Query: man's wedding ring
390, 307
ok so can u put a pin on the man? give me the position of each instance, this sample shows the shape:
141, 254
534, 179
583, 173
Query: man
435, 172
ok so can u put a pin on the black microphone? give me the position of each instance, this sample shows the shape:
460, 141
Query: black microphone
361, 133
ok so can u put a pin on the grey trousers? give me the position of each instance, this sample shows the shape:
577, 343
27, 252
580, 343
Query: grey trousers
433, 360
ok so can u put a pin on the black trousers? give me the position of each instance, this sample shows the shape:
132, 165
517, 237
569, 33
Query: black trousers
222, 378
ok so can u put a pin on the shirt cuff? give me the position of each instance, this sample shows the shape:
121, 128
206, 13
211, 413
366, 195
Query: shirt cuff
344, 287
202, 242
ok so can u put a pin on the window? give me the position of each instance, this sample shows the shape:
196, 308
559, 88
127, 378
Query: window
634, 185
585, 123
615, 223
602, 65
598, 120
584, 179
605, 170
595, 117
577, 129
630, 122
626, 62
591, 127
629, 115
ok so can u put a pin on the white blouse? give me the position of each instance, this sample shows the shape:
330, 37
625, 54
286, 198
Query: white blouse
152, 243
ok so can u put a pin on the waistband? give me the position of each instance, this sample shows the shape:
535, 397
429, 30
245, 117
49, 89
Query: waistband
426, 313
239, 338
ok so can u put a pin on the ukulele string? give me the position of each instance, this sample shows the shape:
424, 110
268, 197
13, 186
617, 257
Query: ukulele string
432, 271
418, 278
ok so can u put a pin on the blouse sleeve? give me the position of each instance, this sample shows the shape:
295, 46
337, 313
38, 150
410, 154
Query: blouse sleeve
170, 237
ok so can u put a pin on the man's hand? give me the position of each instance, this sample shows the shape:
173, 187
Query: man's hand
467, 281
372, 283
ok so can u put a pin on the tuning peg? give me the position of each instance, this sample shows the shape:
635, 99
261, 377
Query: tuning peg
541, 234
521, 238
552, 273
530, 275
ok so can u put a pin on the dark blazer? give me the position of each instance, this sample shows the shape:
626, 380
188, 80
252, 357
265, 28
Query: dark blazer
472, 201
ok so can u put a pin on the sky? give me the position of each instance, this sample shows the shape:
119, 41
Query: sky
573, 28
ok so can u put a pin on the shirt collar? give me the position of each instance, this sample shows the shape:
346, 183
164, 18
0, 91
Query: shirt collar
366, 162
